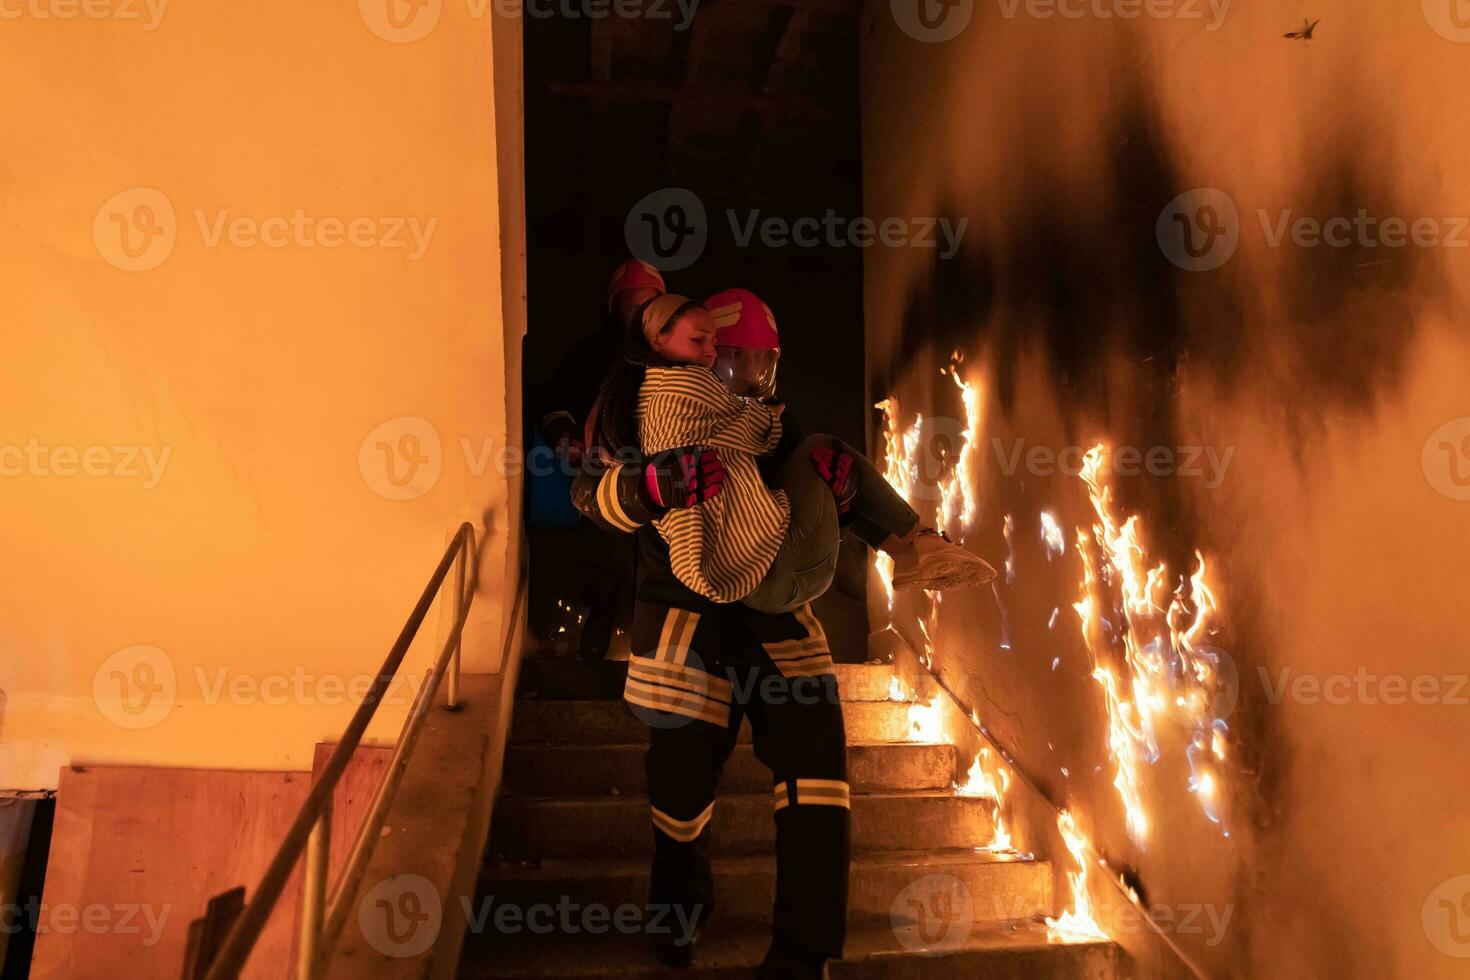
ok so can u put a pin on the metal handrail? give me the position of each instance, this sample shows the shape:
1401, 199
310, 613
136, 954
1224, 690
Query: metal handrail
321, 922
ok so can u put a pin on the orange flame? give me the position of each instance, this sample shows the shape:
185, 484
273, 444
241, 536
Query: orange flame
1077, 923
1167, 671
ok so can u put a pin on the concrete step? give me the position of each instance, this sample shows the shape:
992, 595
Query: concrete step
543, 827
1002, 887
1018, 952
569, 679
586, 770
613, 723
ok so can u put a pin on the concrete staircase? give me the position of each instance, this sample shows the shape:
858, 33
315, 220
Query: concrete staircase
572, 827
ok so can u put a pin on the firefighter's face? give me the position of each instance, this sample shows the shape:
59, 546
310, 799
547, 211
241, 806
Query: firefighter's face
748, 371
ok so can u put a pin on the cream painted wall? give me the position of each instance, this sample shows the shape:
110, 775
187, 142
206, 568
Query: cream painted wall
268, 376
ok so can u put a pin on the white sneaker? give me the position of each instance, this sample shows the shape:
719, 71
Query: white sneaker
939, 563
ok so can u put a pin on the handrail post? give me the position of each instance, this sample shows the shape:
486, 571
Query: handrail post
314, 893
461, 565
310, 831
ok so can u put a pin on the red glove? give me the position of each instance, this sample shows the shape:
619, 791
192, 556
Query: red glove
835, 467
684, 477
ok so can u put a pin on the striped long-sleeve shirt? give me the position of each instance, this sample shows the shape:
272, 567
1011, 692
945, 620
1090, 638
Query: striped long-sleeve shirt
722, 547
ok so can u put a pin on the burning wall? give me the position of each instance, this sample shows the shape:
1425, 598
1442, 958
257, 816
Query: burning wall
1294, 390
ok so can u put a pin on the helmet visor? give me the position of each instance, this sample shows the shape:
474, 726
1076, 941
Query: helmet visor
748, 371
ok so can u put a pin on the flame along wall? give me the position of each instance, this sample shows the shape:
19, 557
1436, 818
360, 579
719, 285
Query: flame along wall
219, 608
1323, 828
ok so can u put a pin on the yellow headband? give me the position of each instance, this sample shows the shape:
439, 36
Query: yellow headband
658, 311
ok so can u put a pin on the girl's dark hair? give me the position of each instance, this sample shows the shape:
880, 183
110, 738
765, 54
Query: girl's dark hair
616, 427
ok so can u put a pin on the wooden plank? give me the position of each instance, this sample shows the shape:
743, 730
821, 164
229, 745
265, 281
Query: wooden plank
141, 851
350, 802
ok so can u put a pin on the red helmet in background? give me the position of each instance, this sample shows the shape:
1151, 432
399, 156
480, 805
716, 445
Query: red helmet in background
633, 274
747, 345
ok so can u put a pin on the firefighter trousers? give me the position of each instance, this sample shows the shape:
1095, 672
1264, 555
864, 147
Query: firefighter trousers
692, 679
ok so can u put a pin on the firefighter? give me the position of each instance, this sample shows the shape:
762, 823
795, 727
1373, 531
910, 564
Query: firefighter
699, 667
560, 407
564, 402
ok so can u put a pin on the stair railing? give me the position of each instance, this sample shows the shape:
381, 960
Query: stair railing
322, 921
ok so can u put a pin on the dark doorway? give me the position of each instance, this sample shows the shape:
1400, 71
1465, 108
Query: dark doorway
752, 107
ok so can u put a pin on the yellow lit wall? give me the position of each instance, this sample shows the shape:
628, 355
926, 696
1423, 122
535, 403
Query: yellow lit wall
250, 256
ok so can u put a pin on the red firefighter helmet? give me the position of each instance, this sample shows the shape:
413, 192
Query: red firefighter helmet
633, 274
747, 345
